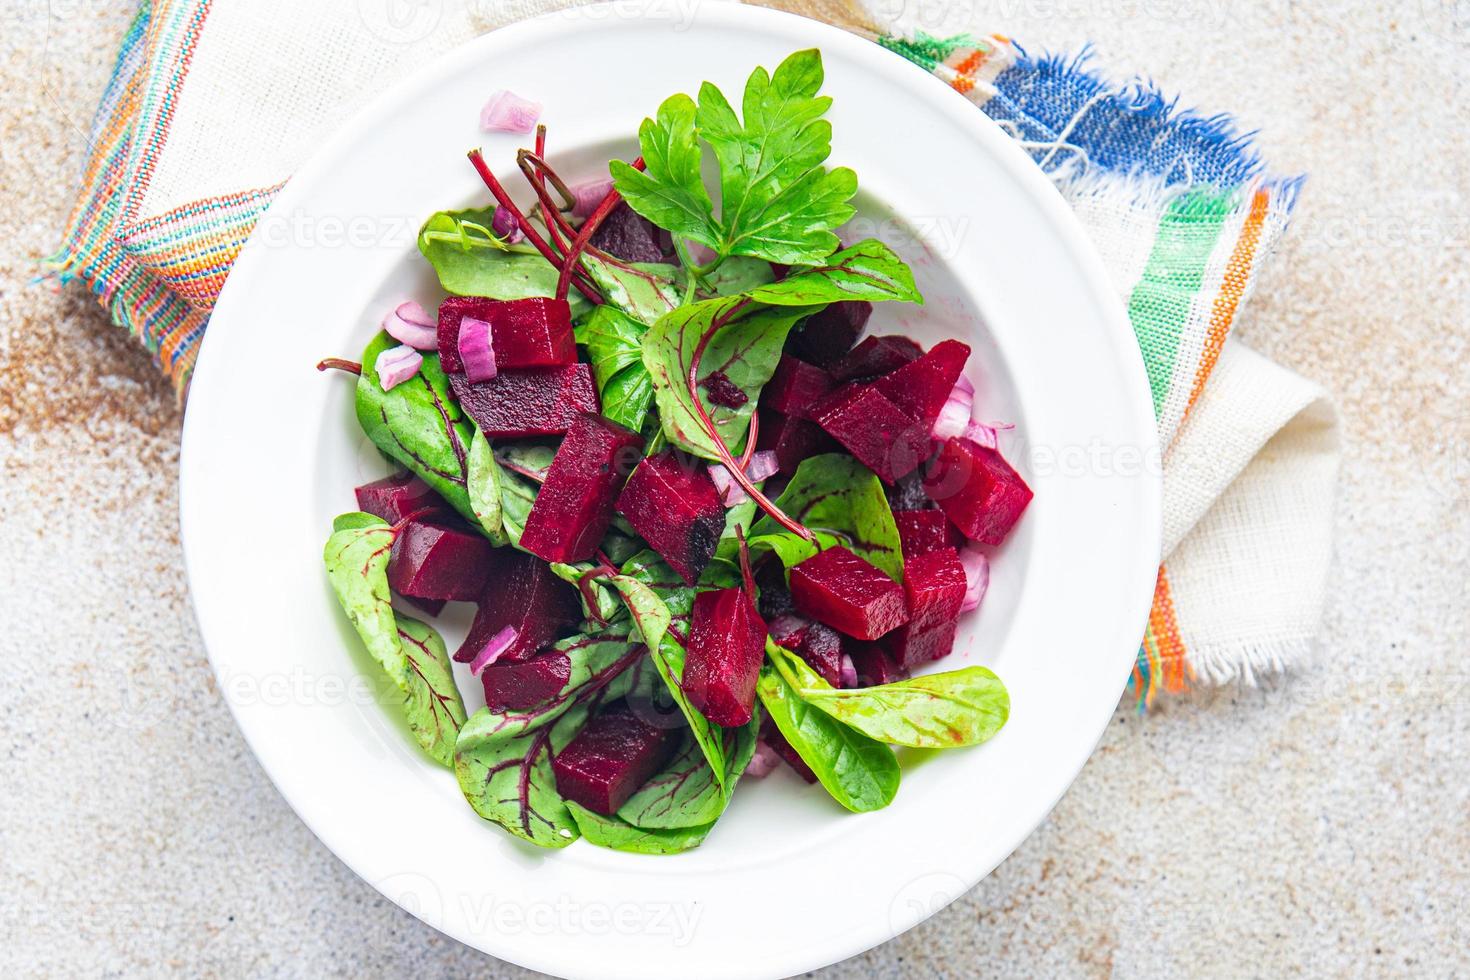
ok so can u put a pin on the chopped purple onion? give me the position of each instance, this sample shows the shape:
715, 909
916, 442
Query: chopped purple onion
848, 676
763, 762
977, 578
410, 324
476, 350
588, 195
499, 643
507, 112
396, 365
504, 224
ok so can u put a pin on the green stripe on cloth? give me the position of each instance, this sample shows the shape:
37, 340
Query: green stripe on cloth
1159, 305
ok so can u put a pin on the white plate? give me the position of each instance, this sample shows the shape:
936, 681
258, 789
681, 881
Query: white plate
789, 881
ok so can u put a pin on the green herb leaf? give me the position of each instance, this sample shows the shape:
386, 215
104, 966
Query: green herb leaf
418, 423
483, 484
740, 274
614, 342
670, 190
744, 344
433, 706
869, 271
619, 835
861, 773
842, 502
356, 557
936, 711
686, 793
644, 291
470, 261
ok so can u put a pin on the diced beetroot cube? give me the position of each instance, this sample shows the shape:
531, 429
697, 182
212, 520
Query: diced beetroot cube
791, 439
873, 666
519, 686
672, 503
395, 497
881, 435
824, 338
977, 489
575, 505
611, 758
934, 589
432, 607
772, 736
517, 404
849, 594
727, 643
923, 531
796, 387
877, 355
820, 646
775, 597
628, 235
524, 333
521, 591
922, 387
435, 559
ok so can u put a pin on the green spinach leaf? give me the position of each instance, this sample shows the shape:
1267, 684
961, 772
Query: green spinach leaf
686, 793
356, 557
614, 342
470, 261
644, 291
433, 706
485, 488
619, 835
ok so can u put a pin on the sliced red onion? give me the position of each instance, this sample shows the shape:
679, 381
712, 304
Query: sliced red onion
505, 225
396, 365
763, 762
847, 675
588, 195
763, 466
410, 324
986, 435
966, 385
955, 415
475, 349
499, 643
507, 112
977, 577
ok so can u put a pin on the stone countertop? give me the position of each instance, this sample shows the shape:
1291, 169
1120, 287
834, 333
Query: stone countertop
1317, 825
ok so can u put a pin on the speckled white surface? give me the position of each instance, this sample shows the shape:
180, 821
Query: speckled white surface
1319, 826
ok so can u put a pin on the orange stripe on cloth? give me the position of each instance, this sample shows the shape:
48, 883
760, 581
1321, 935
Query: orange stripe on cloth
1163, 629
1232, 290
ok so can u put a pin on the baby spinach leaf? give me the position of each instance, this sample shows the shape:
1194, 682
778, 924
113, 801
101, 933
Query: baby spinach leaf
777, 201
936, 711
418, 423
470, 261
842, 502
868, 270
619, 835
483, 485
861, 773
644, 291
614, 342
433, 706
686, 793
741, 341
356, 557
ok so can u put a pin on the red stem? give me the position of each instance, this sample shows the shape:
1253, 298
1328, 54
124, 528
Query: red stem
527, 229
755, 431
339, 364
745, 563
574, 254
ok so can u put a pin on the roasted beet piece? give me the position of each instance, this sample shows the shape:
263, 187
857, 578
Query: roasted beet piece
524, 333
523, 592
671, 501
575, 505
720, 390
611, 758
977, 490
796, 388
435, 559
849, 594
517, 404
877, 355
775, 597
772, 736
519, 686
907, 493
395, 497
921, 388
824, 338
873, 666
727, 642
923, 531
791, 439
881, 435
631, 237
934, 589
820, 646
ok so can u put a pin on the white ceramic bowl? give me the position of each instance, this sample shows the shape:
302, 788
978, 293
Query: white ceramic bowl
789, 881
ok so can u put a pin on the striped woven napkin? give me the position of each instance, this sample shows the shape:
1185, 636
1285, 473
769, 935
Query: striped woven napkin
215, 102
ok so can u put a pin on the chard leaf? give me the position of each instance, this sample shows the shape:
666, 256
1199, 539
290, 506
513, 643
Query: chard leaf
644, 291
483, 484
432, 706
860, 772
470, 261
936, 711
614, 342
668, 660
599, 603
742, 341
869, 271
842, 502
686, 793
517, 489
418, 423
651, 570
619, 835
649, 611
356, 557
